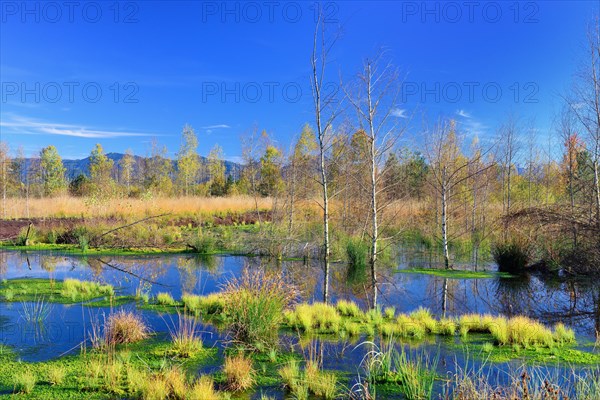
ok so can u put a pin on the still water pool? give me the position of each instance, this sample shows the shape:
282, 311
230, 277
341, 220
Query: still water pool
575, 303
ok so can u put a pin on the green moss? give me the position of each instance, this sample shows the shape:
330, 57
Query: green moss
75, 250
479, 346
115, 301
456, 274
31, 289
149, 356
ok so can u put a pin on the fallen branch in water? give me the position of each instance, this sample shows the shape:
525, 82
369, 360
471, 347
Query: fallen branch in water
132, 274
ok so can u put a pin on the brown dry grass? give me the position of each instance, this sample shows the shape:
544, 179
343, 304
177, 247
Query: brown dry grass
239, 372
67, 206
124, 327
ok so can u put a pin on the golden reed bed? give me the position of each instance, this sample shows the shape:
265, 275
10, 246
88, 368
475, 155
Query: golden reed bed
66, 206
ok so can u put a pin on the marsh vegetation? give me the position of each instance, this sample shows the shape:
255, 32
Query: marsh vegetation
246, 327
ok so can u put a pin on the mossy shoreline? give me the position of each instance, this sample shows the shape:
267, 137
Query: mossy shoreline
456, 273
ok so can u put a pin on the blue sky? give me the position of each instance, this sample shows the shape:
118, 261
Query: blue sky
121, 74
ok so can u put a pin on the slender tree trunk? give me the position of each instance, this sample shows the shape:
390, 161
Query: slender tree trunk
292, 199
508, 182
445, 220
474, 237
572, 195
323, 171
318, 67
325, 223
4, 187
375, 227
597, 189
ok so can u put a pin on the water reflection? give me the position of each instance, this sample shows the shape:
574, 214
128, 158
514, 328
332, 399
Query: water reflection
574, 302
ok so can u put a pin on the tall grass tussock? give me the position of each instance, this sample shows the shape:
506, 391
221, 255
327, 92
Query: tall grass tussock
239, 372
255, 304
24, 381
186, 341
124, 327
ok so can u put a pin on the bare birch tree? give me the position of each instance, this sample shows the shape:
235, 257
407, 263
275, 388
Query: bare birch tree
374, 99
449, 171
327, 109
585, 103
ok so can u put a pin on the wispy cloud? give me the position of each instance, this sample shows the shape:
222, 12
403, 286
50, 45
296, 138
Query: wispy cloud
219, 126
13, 124
463, 113
474, 127
399, 112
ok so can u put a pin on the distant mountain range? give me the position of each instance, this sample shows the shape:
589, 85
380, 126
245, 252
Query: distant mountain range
75, 168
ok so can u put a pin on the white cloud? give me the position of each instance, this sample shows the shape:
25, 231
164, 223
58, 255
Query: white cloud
463, 113
475, 127
28, 126
399, 112
220, 126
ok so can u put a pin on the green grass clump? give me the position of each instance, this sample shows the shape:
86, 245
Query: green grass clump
203, 389
135, 380
56, 374
356, 253
415, 377
487, 347
374, 317
516, 331
165, 299
414, 374
407, 327
352, 328
24, 381
36, 311
476, 323
348, 308
389, 329
9, 295
290, 374
124, 327
563, 335
186, 340
322, 384
312, 379
446, 327
528, 333
239, 372
511, 257
192, 302
52, 291
204, 243
389, 312
319, 317
206, 305
84, 290
254, 305
499, 330
156, 388
423, 316
173, 383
